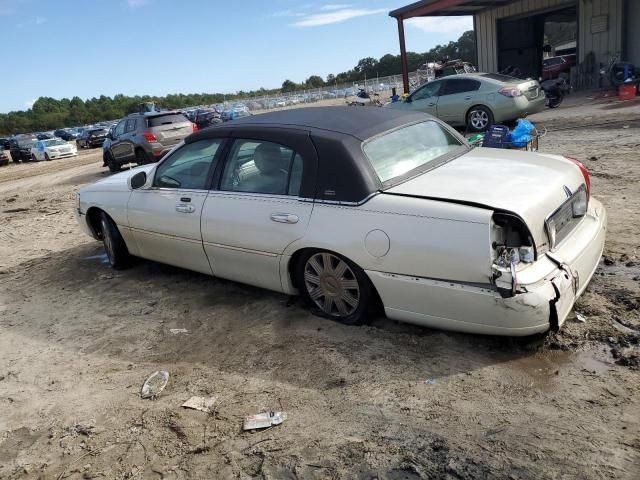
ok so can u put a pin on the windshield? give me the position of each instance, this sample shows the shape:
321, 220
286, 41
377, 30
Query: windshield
55, 141
400, 151
26, 142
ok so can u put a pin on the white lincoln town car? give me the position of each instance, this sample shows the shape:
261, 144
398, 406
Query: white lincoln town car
357, 207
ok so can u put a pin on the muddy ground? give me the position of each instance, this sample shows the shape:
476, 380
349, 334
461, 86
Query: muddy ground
78, 339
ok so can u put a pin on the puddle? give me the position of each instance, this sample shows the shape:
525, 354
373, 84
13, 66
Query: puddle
539, 370
101, 257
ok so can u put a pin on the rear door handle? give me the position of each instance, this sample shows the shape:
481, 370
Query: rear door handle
467, 98
182, 208
431, 105
284, 217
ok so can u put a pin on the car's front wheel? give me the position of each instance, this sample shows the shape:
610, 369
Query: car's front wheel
111, 163
479, 119
33, 157
114, 244
336, 286
46, 157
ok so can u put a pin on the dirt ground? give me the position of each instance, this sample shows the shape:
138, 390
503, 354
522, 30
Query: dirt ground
77, 340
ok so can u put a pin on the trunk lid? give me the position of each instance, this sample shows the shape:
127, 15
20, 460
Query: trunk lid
169, 128
531, 185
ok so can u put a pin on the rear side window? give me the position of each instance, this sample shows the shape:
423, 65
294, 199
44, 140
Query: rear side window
256, 166
460, 85
168, 119
131, 125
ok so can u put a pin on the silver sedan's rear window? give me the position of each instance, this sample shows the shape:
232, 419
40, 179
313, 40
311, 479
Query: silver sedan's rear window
395, 153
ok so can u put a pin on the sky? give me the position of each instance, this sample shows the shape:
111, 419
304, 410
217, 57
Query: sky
88, 48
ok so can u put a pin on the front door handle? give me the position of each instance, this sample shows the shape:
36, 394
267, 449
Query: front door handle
284, 217
182, 208
467, 98
431, 105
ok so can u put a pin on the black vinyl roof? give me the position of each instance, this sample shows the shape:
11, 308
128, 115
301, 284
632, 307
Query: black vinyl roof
360, 122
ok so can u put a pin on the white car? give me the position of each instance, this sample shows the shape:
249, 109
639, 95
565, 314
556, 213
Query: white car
353, 208
52, 149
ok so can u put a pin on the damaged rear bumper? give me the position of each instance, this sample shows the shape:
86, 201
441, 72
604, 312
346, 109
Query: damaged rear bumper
548, 290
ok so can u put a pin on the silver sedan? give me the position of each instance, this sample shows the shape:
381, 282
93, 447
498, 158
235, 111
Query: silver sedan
476, 100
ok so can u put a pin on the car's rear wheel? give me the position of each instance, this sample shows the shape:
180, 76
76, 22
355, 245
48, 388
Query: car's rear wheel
336, 286
479, 118
114, 244
141, 157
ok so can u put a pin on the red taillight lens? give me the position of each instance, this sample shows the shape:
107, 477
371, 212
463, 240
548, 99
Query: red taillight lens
510, 92
195, 127
585, 173
149, 137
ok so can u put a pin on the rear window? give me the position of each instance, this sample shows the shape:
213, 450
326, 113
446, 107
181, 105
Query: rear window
398, 152
158, 120
499, 77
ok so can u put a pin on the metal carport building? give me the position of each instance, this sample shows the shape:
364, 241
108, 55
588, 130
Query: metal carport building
506, 30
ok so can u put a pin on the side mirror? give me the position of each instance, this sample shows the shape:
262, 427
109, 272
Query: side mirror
138, 180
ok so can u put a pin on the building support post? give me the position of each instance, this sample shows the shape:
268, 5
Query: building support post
403, 56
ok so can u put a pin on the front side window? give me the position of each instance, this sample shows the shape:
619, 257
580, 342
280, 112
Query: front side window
189, 166
431, 89
398, 152
257, 166
119, 130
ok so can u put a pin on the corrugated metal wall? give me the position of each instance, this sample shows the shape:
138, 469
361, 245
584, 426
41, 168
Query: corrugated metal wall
602, 44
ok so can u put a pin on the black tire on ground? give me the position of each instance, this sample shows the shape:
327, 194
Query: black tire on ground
111, 163
479, 118
114, 244
46, 157
141, 157
15, 158
327, 289
33, 158
553, 103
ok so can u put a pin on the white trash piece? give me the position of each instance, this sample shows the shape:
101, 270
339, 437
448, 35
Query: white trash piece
154, 384
200, 403
264, 420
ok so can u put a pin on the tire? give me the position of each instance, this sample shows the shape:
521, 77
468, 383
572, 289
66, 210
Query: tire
335, 287
15, 158
479, 118
46, 157
555, 102
33, 158
114, 245
141, 157
111, 163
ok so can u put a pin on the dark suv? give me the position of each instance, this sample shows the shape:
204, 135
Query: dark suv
20, 147
91, 138
145, 137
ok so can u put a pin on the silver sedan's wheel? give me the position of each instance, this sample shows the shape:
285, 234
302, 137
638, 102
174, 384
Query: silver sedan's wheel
479, 119
331, 284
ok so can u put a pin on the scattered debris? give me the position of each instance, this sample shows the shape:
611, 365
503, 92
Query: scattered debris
608, 260
581, 318
204, 404
264, 420
429, 381
85, 428
175, 331
16, 210
154, 384
593, 158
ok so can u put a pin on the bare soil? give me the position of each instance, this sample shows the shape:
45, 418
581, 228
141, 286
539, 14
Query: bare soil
77, 340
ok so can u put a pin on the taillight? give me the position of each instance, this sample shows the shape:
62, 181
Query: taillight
510, 92
195, 127
149, 137
585, 174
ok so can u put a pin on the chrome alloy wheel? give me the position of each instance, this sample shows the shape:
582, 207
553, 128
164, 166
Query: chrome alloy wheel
479, 119
331, 284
